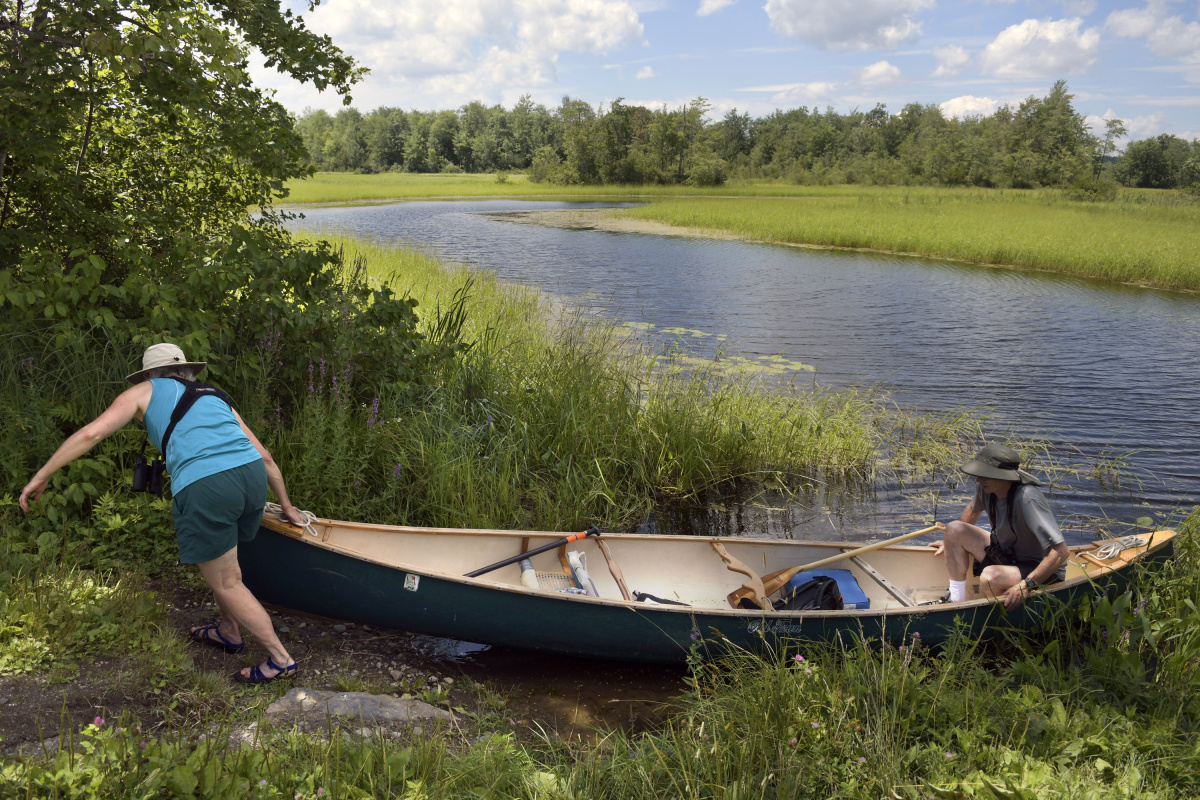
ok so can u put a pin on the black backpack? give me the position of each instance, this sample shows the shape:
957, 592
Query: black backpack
819, 594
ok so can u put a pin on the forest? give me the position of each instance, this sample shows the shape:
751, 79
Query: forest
1043, 142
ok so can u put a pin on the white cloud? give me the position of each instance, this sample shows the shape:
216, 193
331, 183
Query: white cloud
646, 72
470, 49
1041, 49
838, 25
881, 73
804, 94
1166, 35
969, 105
712, 6
951, 61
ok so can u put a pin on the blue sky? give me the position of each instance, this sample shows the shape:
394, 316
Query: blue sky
1138, 60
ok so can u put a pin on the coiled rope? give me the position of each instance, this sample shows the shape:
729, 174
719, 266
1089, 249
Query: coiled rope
1113, 549
309, 517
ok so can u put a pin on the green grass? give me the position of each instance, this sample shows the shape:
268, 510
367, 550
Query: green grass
346, 187
1141, 238
554, 419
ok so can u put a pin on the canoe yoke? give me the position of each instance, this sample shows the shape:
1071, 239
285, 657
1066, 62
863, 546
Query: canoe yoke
758, 592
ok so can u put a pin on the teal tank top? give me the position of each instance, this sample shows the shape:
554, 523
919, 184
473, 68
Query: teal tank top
206, 441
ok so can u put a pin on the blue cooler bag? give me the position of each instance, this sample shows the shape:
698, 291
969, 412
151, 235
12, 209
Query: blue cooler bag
852, 595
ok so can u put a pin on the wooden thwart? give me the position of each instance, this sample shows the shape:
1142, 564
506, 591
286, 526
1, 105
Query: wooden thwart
777, 580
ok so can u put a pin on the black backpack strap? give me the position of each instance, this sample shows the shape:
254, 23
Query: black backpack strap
193, 391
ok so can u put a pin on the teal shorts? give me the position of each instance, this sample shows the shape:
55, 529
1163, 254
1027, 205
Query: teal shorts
213, 514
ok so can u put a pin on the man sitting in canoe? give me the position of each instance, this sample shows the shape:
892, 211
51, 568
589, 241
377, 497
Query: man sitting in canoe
1025, 547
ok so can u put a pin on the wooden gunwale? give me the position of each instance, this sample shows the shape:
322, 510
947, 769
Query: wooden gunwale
328, 526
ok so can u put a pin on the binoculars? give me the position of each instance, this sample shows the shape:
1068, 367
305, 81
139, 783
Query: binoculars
148, 477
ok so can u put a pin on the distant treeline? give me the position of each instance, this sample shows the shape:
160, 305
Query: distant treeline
1042, 142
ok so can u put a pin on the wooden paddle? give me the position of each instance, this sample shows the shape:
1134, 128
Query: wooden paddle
776, 580
618, 576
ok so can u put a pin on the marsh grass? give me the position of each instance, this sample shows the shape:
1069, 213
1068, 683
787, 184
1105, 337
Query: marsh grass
555, 418
1143, 239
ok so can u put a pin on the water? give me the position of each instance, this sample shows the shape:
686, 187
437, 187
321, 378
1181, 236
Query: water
1098, 368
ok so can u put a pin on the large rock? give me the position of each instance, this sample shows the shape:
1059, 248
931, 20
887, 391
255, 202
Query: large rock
314, 705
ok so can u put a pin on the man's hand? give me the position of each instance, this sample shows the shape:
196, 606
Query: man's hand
939, 547
1015, 596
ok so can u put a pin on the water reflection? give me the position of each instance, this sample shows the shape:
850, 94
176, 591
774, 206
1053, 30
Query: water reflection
1099, 368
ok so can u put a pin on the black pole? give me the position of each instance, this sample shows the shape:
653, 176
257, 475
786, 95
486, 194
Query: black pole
591, 531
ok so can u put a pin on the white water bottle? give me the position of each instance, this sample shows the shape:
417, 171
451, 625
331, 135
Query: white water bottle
528, 575
578, 562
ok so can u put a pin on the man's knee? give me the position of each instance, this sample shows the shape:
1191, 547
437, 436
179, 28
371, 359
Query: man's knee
997, 579
957, 533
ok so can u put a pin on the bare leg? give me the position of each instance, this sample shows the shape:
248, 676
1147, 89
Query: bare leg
995, 580
963, 540
240, 608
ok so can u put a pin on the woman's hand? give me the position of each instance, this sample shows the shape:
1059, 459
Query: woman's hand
35, 487
293, 515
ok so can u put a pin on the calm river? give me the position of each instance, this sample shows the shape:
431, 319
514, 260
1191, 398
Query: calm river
1096, 368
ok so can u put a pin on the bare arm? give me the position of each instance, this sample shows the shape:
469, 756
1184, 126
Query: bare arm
274, 475
129, 404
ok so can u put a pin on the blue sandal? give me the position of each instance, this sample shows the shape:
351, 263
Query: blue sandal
201, 635
256, 673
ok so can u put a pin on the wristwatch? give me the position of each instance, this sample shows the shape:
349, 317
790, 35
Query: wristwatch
1030, 584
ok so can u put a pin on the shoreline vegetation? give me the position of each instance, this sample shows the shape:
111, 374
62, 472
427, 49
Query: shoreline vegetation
1142, 238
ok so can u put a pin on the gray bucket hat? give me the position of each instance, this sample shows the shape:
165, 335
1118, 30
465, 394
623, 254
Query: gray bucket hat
163, 355
1000, 463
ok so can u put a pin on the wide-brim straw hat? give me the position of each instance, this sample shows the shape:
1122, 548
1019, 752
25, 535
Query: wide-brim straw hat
163, 355
1000, 463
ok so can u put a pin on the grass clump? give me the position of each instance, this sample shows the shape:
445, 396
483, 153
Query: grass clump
1134, 240
554, 419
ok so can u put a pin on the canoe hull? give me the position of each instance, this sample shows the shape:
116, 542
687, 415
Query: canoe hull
292, 573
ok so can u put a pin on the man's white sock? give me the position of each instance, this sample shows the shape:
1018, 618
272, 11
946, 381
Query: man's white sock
958, 591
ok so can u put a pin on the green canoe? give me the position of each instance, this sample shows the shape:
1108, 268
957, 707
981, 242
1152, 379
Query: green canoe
414, 579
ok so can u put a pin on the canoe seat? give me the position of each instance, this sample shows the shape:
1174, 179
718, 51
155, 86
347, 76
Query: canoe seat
553, 581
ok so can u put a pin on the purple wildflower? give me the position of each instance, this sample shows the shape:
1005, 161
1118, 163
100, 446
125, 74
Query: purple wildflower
916, 635
311, 388
793, 741
27, 364
949, 755
141, 745
862, 759
704, 736
695, 634
371, 420
279, 415
263, 782
320, 791
799, 659
816, 725
396, 472
98, 721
